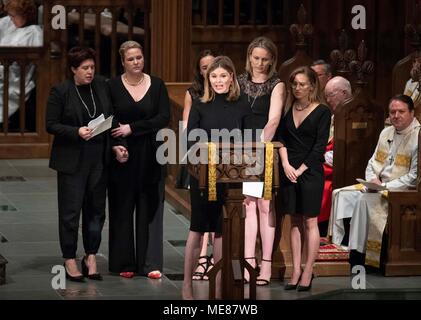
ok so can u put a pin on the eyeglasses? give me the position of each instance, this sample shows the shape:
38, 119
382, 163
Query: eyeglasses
334, 93
331, 94
295, 85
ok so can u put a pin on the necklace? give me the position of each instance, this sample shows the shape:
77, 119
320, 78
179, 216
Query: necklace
134, 84
84, 104
255, 97
301, 108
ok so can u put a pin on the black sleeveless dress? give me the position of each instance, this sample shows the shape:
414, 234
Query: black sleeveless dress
258, 97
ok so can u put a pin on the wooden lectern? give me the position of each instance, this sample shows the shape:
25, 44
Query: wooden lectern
230, 169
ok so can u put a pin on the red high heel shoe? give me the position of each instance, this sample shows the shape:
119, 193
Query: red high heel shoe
156, 274
128, 274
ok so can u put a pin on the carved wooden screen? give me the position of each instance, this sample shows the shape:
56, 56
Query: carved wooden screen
104, 26
227, 26
22, 133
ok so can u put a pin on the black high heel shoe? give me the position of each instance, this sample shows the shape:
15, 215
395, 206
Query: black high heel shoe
306, 288
85, 271
73, 278
290, 286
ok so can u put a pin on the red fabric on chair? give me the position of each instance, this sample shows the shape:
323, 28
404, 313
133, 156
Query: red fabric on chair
327, 192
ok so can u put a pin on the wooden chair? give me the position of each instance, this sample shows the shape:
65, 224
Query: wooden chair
403, 230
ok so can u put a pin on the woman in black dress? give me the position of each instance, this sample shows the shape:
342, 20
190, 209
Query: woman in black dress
221, 107
195, 92
304, 131
266, 96
142, 108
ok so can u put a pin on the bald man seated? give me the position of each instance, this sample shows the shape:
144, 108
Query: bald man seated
337, 90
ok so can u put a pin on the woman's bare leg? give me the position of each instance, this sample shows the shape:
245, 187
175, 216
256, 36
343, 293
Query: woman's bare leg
296, 226
190, 258
250, 234
312, 243
267, 234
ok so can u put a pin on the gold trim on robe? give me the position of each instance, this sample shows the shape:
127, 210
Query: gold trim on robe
403, 160
267, 195
381, 156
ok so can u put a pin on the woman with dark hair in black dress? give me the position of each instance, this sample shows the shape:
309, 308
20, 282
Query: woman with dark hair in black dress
194, 93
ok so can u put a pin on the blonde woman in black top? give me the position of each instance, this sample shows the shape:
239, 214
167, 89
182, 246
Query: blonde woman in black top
221, 107
136, 187
266, 95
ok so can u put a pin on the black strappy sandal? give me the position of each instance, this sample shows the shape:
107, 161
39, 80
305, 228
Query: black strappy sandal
263, 282
199, 275
256, 267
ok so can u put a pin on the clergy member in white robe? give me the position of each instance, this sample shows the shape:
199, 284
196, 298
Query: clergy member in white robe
393, 166
15, 36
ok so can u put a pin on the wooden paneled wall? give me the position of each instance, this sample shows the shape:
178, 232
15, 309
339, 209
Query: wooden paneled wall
221, 26
176, 30
171, 39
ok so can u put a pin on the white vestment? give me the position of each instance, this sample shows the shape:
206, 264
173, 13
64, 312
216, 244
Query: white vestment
369, 210
413, 89
10, 36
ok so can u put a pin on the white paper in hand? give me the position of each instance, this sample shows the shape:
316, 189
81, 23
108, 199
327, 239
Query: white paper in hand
371, 185
93, 123
100, 124
253, 189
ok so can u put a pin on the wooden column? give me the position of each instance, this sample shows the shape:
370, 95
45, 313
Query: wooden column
171, 39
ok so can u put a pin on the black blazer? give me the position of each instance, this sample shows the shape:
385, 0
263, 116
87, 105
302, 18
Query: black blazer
64, 118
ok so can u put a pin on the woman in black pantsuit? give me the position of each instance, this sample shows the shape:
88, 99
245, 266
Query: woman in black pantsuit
142, 108
80, 160
304, 132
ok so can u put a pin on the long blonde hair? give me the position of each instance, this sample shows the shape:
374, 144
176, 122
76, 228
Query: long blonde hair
223, 62
314, 96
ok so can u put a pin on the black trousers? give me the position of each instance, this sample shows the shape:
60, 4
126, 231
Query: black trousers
136, 226
84, 190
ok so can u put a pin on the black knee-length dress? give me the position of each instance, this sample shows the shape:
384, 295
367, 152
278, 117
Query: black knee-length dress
206, 216
305, 144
